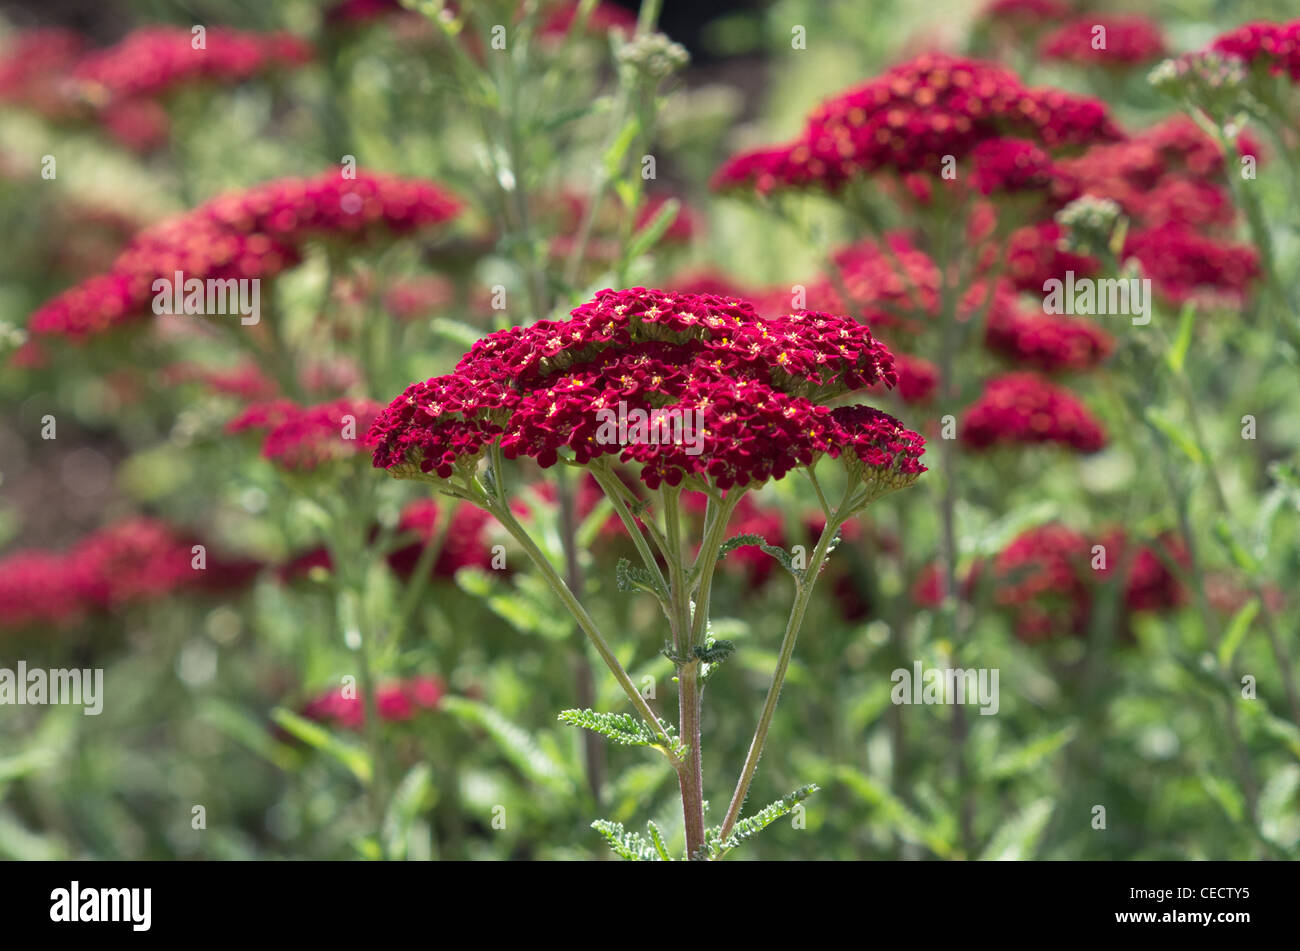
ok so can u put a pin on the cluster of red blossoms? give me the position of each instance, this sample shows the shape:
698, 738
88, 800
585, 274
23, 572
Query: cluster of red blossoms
1049, 577
1168, 183
252, 233
301, 438
395, 703
910, 117
757, 386
1025, 408
1127, 41
1274, 46
128, 562
51, 72
155, 60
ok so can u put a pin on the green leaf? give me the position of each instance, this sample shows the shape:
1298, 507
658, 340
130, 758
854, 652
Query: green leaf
623, 729
649, 235
1028, 757
1278, 818
25, 764
1234, 548
1225, 794
239, 726
632, 846
742, 541
746, 829
630, 577
412, 796
1170, 431
715, 652
657, 838
1016, 839
316, 736
894, 812
513, 741
617, 151
1237, 629
1177, 354
456, 331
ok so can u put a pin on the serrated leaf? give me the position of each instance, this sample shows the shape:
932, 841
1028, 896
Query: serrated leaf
623, 729
742, 541
632, 846
630, 577
746, 829
657, 839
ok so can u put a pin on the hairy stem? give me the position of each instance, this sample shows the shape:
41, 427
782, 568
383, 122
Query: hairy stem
803, 594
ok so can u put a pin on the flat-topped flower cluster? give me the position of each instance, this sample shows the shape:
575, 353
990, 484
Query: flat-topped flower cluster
252, 233
760, 384
912, 116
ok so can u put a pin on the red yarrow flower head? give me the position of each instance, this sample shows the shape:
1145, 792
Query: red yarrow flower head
394, 702
752, 389
1022, 408
913, 117
464, 541
1273, 46
254, 233
302, 438
131, 561
1117, 42
154, 60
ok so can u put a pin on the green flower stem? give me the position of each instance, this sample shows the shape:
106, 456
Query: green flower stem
952, 607
691, 774
605, 479
351, 556
584, 679
803, 594
707, 561
570, 601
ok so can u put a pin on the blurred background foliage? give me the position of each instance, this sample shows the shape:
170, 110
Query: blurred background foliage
200, 688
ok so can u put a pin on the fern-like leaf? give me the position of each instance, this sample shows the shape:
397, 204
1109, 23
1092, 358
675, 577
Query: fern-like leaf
657, 839
746, 829
624, 729
742, 541
631, 578
632, 846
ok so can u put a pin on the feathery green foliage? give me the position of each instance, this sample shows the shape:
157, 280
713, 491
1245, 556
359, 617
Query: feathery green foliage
714, 846
624, 729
